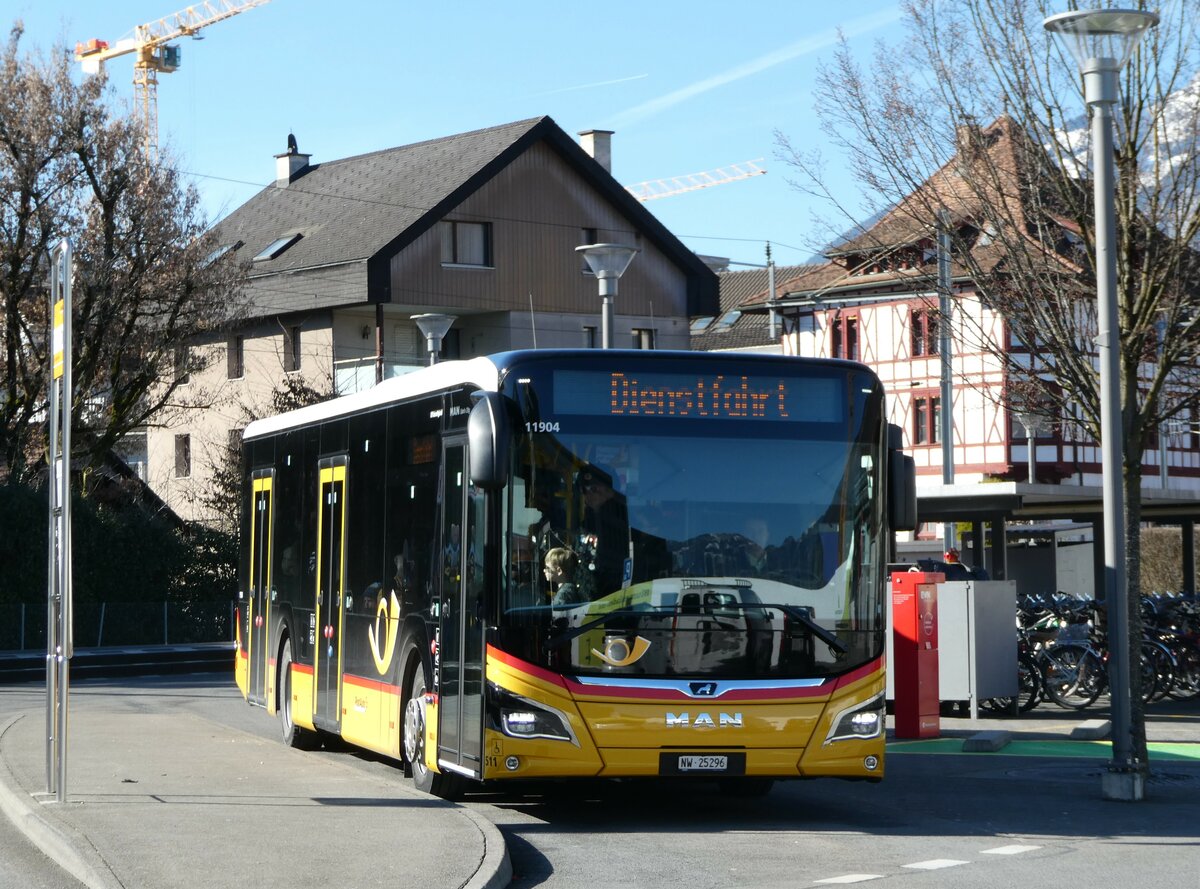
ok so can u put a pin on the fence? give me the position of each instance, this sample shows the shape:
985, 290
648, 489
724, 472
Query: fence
23, 626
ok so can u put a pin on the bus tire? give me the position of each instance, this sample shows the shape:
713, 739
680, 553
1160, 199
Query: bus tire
413, 721
293, 735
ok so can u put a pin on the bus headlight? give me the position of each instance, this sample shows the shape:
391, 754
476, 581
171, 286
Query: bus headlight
859, 722
519, 717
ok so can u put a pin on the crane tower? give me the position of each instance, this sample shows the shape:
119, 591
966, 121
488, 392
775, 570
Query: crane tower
152, 44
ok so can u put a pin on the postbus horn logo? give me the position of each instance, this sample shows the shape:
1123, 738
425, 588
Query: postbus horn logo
390, 620
618, 653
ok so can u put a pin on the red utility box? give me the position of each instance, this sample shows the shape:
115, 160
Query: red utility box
914, 666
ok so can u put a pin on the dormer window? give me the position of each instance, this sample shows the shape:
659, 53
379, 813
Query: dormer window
276, 247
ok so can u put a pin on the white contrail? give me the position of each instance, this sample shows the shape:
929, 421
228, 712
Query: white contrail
800, 48
588, 86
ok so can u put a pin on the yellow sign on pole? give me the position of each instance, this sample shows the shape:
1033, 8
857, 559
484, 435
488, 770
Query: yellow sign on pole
58, 338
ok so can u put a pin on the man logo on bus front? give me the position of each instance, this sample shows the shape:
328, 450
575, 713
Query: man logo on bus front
703, 689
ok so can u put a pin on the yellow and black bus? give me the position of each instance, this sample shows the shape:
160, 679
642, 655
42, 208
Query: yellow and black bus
579, 563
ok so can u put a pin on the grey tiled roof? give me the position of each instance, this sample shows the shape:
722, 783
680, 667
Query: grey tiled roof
354, 207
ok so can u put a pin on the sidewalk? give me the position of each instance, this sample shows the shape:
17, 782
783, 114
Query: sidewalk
157, 801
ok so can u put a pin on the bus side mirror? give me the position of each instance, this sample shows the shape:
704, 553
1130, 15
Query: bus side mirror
489, 432
902, 483
902, 492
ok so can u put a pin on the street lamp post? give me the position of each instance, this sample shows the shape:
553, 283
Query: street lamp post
608, 263
1102, 42
433, 327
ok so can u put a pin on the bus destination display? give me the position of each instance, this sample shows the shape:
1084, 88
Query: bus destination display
696, 396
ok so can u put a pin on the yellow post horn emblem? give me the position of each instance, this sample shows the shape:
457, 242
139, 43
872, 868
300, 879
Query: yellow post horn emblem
617, 652
384, 660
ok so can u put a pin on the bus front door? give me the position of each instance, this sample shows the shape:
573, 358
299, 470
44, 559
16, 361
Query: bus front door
330, 607
460, 701
258, 608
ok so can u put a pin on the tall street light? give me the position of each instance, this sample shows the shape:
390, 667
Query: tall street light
434, 327
1102, 42
608, 263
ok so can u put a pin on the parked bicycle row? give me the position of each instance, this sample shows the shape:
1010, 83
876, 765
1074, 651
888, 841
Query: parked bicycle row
1063, 652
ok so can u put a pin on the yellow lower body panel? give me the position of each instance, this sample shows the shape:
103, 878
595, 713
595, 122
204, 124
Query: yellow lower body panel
302, 697
241, 672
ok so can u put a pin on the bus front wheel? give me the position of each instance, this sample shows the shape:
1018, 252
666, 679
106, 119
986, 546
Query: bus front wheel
293, 735
424, 778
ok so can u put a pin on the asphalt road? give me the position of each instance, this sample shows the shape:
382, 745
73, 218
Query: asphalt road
938, 820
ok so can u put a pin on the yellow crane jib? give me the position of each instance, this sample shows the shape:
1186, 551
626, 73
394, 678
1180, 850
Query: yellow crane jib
151, 44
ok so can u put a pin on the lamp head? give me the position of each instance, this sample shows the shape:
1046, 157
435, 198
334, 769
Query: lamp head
433, 327
607, 260
1101, 38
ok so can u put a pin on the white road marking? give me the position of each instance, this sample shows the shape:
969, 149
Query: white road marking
1009, 850
851, 878
936, 864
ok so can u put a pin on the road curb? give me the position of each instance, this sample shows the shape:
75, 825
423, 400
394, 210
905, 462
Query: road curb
1092, 730
495, 869
62, 844
986, 742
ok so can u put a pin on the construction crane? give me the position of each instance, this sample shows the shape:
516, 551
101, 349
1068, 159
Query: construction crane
654, 189
150, 42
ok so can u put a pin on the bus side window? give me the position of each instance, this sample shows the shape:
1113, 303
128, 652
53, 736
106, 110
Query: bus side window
689, 603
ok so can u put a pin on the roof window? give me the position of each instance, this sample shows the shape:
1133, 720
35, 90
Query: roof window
727, 320
221, 251
276, 247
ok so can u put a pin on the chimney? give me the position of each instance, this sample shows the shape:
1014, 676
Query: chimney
967, 139
598, 143
290, 164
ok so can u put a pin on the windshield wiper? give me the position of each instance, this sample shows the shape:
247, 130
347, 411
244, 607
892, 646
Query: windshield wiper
804, 616
568, 635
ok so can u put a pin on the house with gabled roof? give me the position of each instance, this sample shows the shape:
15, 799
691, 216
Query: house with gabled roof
875, 299
482, 226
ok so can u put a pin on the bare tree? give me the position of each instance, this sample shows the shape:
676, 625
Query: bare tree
221, 497
145, 285
1020, 200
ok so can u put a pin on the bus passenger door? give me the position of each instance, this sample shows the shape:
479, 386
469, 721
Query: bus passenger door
330, 607
460, 701
258, 608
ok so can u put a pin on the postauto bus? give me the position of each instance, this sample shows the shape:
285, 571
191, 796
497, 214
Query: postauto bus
725, 521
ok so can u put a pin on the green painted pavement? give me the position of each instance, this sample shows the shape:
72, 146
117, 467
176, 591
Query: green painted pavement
1083, 749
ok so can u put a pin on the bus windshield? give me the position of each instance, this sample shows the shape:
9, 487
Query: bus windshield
664, 545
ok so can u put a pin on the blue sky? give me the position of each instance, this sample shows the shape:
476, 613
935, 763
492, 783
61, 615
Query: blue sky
687, 86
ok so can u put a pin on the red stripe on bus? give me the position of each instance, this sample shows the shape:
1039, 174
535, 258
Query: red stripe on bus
525, 667
375, 684
862, 672
302, 668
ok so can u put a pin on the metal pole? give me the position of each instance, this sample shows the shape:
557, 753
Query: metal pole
59, 621
608, 289
946, 425
1100, 86
773, 320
